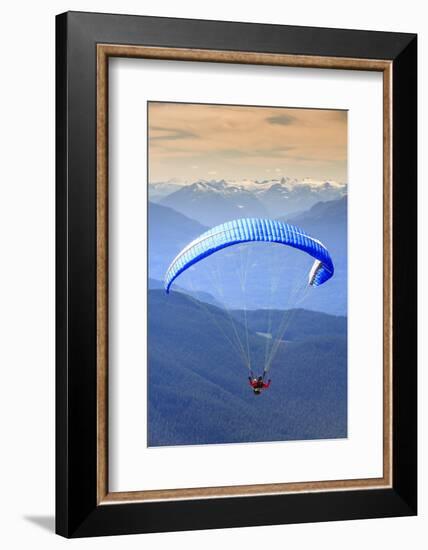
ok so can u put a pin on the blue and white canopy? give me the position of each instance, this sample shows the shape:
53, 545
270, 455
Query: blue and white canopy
246, 230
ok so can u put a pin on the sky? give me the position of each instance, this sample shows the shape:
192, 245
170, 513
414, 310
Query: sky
190, 141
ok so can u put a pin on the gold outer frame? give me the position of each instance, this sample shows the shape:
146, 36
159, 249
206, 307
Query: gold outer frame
104, 52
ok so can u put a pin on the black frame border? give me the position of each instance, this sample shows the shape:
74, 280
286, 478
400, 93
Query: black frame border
77, 512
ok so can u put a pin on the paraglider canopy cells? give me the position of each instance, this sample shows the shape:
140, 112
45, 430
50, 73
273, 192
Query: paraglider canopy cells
253, 230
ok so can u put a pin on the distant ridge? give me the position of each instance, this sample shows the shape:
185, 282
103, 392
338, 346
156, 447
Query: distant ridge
215, 201
170, 231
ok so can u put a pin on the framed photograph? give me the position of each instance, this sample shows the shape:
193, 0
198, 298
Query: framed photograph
236, 274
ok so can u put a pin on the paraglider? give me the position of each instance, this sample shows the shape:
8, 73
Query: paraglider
253, 230
258, 384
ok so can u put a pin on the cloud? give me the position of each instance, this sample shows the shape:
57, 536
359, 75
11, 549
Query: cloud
230, 139
272, 152
282, 120
170, 134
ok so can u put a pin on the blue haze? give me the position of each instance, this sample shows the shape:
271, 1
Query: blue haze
198, 391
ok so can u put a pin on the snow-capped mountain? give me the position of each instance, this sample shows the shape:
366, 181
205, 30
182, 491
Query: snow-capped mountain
160, 189
288, 197
215, 201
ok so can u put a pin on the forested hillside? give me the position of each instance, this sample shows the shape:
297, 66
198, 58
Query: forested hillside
198, 380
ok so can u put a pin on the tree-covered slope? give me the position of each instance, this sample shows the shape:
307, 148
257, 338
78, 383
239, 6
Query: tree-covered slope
198, 386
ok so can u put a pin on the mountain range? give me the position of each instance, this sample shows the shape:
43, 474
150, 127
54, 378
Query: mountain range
216, 201
198, 391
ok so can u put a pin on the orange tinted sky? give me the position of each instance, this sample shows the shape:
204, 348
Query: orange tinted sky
191, 141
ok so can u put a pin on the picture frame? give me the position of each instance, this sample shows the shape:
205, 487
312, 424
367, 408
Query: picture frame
84, 44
